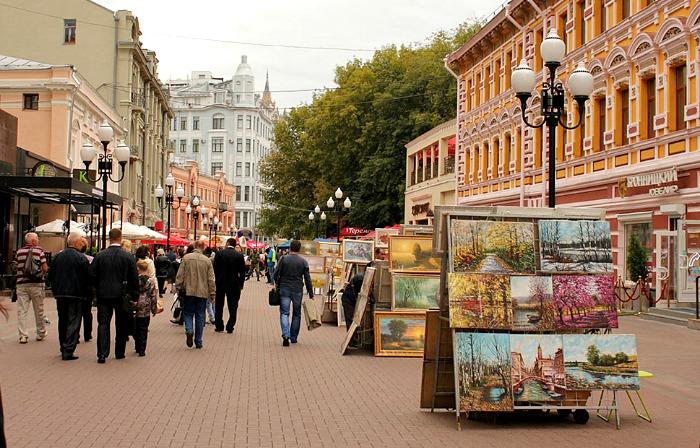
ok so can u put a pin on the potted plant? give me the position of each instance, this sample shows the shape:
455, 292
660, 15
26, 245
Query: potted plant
637, 269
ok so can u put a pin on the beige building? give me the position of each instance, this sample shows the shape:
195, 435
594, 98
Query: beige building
105, 47
430, 173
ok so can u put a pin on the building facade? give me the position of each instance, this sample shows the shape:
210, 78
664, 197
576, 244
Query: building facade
430, 173
104, 46
636, 153
225, 125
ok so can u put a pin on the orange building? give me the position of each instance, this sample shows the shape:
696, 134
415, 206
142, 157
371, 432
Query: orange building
636, 153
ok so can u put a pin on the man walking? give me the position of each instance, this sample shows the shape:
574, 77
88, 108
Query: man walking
70, 282
290, 275
196, 278
86, 310
229, 270
162, 265
31, 268
271, 261
113, 273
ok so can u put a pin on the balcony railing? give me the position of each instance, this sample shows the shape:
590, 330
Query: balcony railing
138, 100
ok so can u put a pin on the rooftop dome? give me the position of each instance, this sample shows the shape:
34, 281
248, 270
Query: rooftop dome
243, 68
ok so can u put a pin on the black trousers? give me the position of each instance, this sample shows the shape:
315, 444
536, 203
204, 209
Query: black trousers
349, 311
69, 315
161, 285
141, 333
86, 306
122, 321
231, 295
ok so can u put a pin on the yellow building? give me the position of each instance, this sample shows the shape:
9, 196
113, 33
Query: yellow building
636, 153
105, 48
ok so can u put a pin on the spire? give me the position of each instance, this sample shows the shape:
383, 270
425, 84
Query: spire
267, 96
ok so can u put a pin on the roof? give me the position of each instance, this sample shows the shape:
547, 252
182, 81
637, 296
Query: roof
13, 63
243, 68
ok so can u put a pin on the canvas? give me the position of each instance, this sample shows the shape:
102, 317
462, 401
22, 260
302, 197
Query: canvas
533, 306
601, 361
381, 237
419, 292
319, 280
308, 248
575, 246
482, 371
399, 334
493, 247
325, 249
316, 263
584, 301
335, 265
360, 307
358, 251
412, 253
537, 367
479, 301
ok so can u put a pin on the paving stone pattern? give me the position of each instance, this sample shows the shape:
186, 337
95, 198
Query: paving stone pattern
246, 390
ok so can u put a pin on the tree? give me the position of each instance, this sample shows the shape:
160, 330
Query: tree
593, 355
636, 259
397, 328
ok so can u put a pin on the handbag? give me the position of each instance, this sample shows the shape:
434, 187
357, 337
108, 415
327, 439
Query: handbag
273, 297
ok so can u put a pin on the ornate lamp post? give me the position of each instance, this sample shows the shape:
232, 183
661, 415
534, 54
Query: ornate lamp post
331, 204
580, 84
192, 210
105, 166
217, 225
169, 200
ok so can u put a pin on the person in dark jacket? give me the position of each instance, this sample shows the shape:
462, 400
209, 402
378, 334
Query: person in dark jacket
290, 275
162, 264
349, 297
230, 271
87, 304
113, 273
69, 276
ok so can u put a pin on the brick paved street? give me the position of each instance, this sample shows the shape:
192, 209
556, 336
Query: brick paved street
245, 389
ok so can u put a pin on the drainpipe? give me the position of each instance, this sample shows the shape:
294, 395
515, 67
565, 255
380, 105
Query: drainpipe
69, 145
116, 60
458, 137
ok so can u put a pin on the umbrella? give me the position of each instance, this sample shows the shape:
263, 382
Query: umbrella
131, 231
254, 245
58, 227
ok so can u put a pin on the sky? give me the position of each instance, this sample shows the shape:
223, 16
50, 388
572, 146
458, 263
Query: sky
526, 345
576, 346
177, 31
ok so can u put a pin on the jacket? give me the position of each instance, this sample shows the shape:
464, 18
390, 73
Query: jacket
292, 272
69, 275
196, 276
162, 265
229, 269
110, 269
148, 297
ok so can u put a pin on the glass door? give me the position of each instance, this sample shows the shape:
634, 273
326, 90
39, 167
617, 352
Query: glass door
666, 266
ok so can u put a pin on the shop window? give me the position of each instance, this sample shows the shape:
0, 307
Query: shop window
31, 101
679, 92
650, 104
644, 233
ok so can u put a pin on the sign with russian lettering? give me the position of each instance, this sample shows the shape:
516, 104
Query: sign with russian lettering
660, 183
353, 231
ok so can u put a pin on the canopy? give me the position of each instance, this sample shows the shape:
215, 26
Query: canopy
59, 227
175, 240
132, 231
152, 233
253, 245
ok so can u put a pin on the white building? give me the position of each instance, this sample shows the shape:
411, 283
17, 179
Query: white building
225, 125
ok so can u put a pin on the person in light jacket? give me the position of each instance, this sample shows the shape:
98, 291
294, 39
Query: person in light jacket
196, 278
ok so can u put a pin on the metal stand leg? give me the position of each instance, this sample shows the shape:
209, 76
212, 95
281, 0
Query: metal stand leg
605, 418
617, 410
459, 419
646, 416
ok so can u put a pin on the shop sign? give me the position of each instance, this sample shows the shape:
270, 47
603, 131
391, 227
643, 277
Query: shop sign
44, 169
82, 175
420, 209
353, 231
661, 183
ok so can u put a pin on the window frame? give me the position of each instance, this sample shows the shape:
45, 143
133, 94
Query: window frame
70, 31
217, 144
33, 102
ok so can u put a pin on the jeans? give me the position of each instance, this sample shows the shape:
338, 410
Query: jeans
270, 271
194, 307
231, 295
141, 333
69, 317
210, 310
288, 297
30, 293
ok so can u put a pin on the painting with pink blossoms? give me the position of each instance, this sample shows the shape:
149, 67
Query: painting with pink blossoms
584, 301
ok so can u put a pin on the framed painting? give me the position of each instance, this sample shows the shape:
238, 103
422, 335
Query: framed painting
575, 246
537, 367
381, 237
335, 265
412, 253
319, 280
316, 263
482, 363
414, 292
399, 334
533, 305
584, 301
492, 247
358, 251
601, 361
326, 249
308, 248
479, 301
360, 307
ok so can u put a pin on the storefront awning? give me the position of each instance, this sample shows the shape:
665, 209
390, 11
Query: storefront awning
55, 190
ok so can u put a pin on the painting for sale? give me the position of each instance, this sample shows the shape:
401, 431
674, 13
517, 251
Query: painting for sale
308, 248
419, 292
533, 307
381, 237
479, 301
326, 249
316, 263
357, 251
493, 247
399, 334
575, 246
537, 367
482, 371
584, 301
601, 361
412, 253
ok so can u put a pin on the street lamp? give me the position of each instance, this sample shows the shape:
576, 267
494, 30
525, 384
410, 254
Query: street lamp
580, 84
331, 204
169, 200
105, 166
192, 211
217, 226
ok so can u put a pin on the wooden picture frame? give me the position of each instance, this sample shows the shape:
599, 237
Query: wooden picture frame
420, 285
358, 251
308, 247
381, 237
316, 263
390, 342
403, 256
328, 249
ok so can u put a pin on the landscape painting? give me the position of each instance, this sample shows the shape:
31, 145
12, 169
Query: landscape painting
308, 248
326, 249
381, 237
399, 334
480, 301
601, 361
316, 263
533, 306
575, 246
419, 292
358, 251
319, 280
537, 367
584, 301
482, 371
412, 253
494, 247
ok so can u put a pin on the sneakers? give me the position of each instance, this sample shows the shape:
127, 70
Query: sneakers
23, 339
285, 342
190, 339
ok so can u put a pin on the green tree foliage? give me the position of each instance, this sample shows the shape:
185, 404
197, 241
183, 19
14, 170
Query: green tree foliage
593, 354
636, 259
353, 137
397, 328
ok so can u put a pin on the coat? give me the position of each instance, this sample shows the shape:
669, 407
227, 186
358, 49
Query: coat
196, 276
229, 269
110, 269
69, 275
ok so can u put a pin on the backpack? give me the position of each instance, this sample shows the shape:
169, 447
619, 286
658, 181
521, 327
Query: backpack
31, 270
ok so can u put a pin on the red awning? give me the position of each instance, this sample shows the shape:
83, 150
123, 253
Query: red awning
175, 240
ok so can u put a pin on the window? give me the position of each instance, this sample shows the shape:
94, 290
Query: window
603, 16
650, 92
239, 145
679, 78
195, 145
487, 84
625, 9
246, 197
477, 97
69, 26
217, 144
183, 123
183, 145
174, 124
219, 97
624, 109
581, 22
216, 166
538, 54
507, 155
238, 219
538, 148
578, 147
239, 168
248, 119
644, 233
218, 123
239, 124
195, 123
31, 101
245, 218
600, 109
497, 78
247, 145
238, 194
247, 169
561, 26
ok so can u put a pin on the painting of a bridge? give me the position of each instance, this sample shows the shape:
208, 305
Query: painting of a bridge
482, 371
584, 301
601, 361
575, 246
494, 247
537, 367
479, 301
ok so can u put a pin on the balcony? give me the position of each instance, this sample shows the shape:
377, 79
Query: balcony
138, 102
